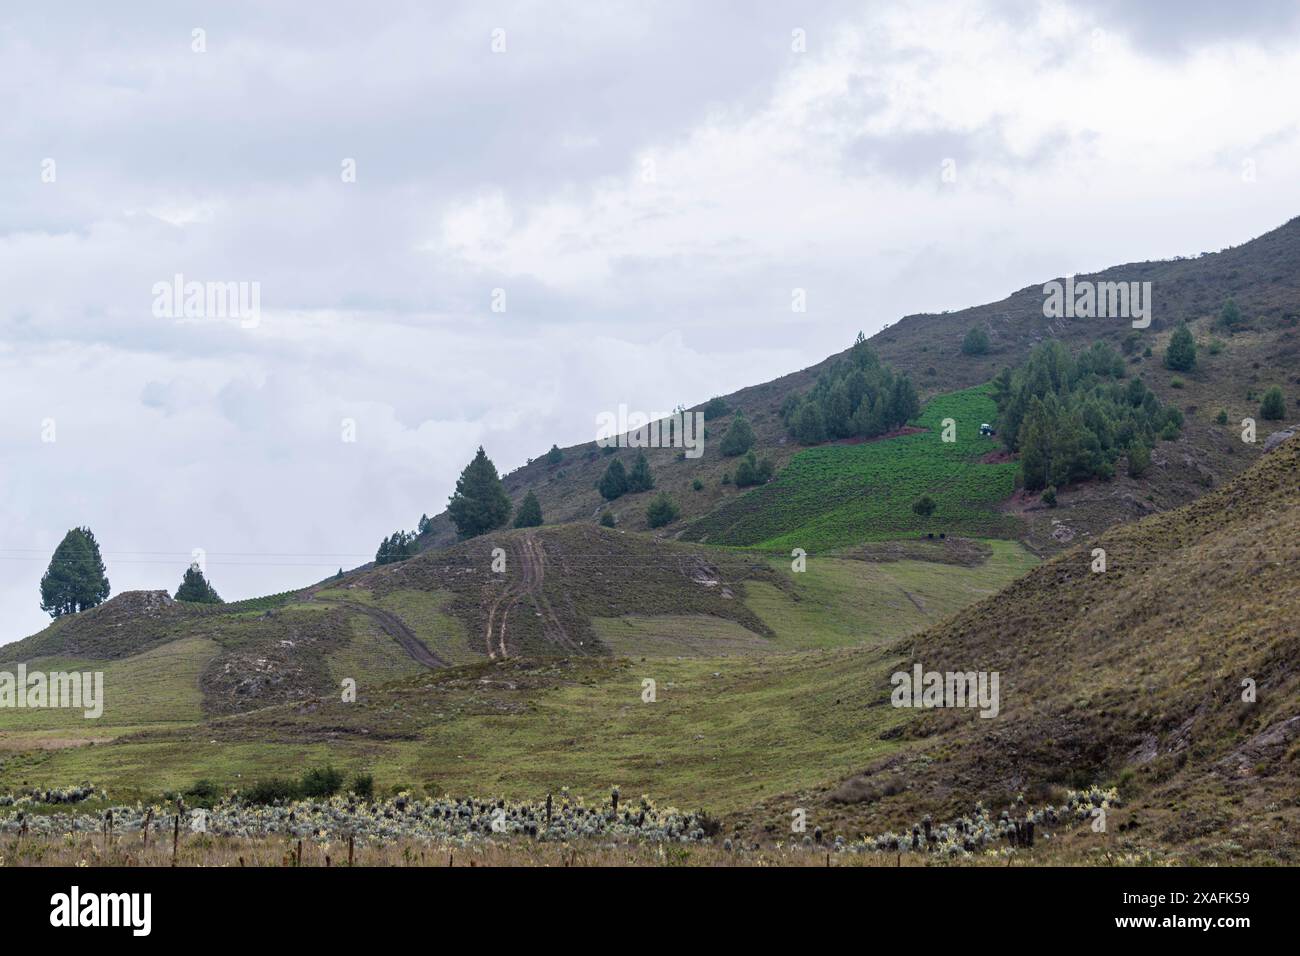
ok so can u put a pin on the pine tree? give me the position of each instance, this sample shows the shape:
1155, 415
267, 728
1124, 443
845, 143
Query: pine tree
1181, 353
530, 512
739, 437
809, 427
661, 511
480, 503
398, 546
75, 579
613, 483
639, 478
195, 588
1230, 315
554, 456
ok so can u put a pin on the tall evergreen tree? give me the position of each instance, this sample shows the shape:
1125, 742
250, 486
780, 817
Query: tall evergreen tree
613, 483
554, 456
529, 514
75, 579
639, 478
195, 587
1181, 353
809, 427
480, 503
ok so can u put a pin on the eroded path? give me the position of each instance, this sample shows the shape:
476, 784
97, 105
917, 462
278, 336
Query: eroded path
400, 631
530, 559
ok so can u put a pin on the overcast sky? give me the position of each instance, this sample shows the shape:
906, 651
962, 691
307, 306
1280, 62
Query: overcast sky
646, 182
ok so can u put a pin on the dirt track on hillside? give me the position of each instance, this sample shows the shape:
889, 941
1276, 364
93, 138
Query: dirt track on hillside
530, 556
399, 631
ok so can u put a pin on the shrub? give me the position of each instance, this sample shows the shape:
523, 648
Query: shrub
203, 793
697, 485
750, 471
923, 506
976, 342
1049, 496
321, 782
662, 511
554, 456
1229, 315
1222, 417
715, 408
272, 790
363, 785
1175, 382
607, 519
739, 437
1273, 406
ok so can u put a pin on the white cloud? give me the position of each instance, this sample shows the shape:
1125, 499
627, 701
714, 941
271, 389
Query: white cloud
529, 172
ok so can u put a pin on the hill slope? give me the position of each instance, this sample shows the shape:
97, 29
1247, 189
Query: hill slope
1133, 675
1263, 276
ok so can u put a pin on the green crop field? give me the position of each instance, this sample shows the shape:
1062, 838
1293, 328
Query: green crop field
834, 495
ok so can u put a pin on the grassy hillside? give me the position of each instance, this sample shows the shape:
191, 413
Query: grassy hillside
1129, 677
1132, 676
576, 590
839, 494
1263, 276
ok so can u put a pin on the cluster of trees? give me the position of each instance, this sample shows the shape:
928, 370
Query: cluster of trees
196, 589
481, 504
398, 546
618, 480
751, 471
858, 396
76, 578
1071, 417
